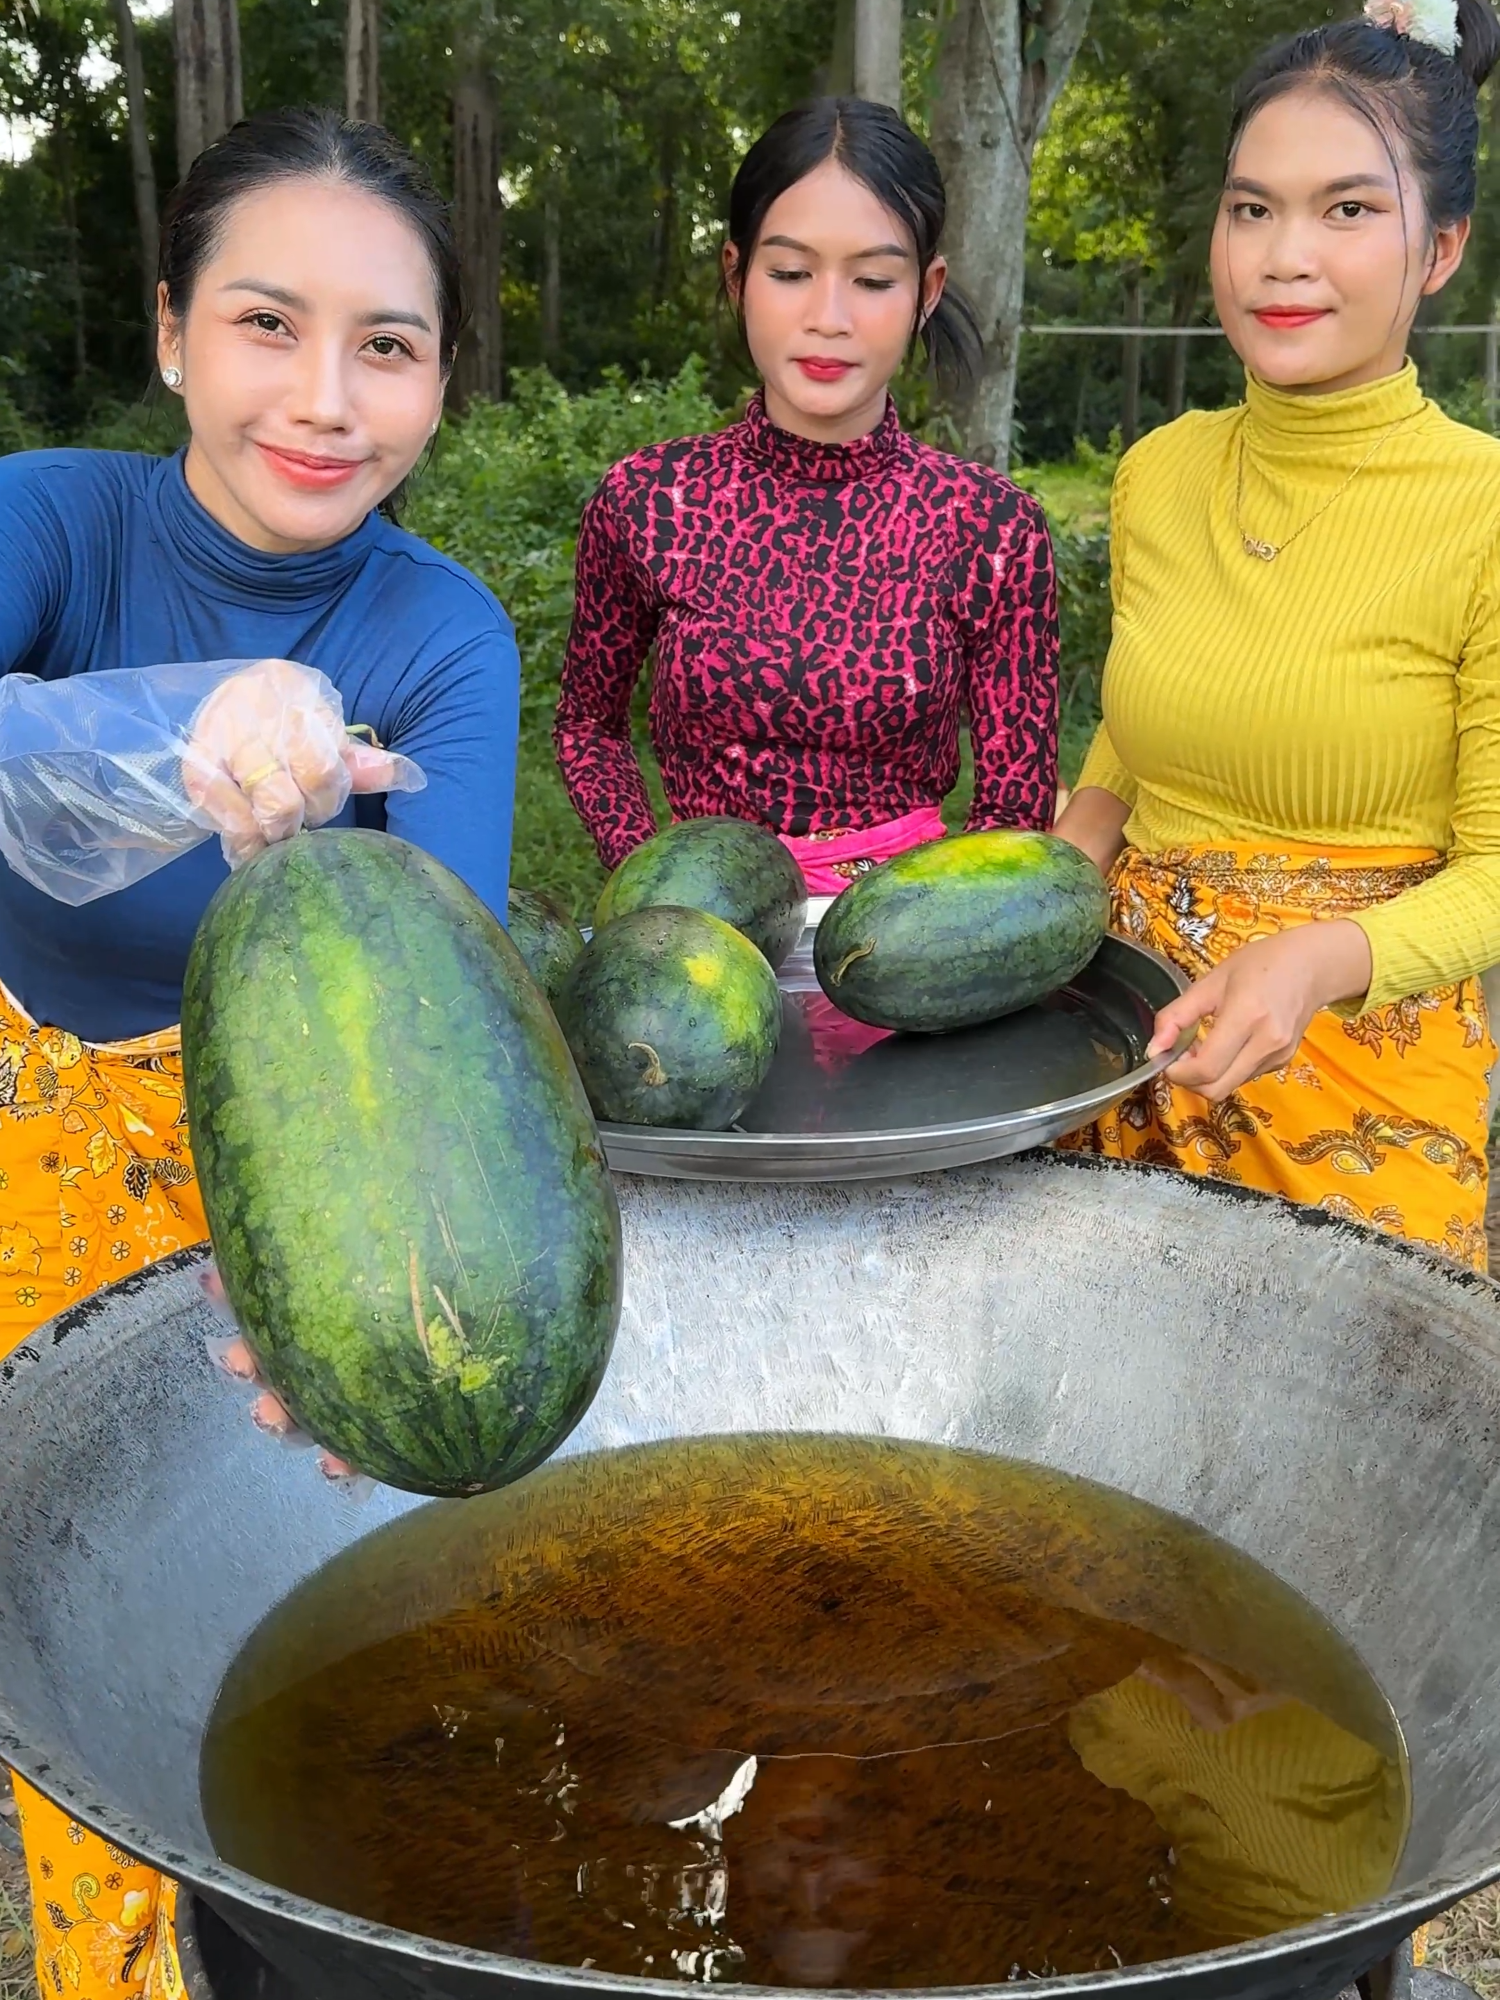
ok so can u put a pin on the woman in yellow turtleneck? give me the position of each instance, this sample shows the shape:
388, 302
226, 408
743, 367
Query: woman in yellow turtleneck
1297, 783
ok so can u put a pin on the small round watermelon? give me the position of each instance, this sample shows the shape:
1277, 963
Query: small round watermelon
545, 935
737, 872
673, 1018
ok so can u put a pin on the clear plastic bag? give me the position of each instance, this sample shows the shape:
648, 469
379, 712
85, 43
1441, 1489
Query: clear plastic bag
105, 778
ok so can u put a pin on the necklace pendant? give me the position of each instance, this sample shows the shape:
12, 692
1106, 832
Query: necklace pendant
1262, 551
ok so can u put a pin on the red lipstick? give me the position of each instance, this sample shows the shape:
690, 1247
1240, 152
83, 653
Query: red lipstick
1286, 319
819, 369
306, 469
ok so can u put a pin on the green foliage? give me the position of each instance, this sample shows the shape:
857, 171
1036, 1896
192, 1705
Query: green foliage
17, 433
1465, 402
1084, 616
508, 483
503, 496
155, 424
633, 114
71, 284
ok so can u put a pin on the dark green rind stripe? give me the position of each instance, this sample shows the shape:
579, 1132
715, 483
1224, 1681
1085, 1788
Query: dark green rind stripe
545, 935
379, 1098
731, 870
679, 997
961, 931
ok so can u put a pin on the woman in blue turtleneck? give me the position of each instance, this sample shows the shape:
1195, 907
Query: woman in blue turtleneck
309, 309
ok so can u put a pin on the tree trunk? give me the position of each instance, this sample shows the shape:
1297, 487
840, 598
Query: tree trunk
73, 264
362, 61
877, 51
664, 245
552, 269
1085, 383
142, 172
209, 92
1130, 365
999, 71
1184, 302
479, 219
837, 77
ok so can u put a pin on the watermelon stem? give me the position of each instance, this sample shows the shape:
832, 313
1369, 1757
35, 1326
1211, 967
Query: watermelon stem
416, 1306
653, 1074
450, 1315
852, 958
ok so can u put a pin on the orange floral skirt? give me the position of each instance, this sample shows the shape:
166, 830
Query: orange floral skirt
1382, 1119
96, 1181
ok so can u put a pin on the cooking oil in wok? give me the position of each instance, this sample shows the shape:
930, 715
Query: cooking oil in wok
807, 1711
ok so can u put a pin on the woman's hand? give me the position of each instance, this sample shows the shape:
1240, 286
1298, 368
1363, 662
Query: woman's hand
1094, 821
267, 1412
1259, 1002
269, 755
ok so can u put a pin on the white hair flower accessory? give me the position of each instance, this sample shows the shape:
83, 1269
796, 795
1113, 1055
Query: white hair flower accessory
1434, 22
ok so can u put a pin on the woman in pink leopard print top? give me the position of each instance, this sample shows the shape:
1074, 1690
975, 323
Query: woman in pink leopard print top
826, 596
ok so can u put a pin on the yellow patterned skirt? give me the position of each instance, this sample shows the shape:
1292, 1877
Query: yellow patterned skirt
1382, 1119
95, 1181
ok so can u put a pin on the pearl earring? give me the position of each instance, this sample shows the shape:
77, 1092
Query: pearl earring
172, 377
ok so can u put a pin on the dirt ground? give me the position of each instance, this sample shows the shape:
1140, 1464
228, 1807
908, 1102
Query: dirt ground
16, 1980
1466, 1942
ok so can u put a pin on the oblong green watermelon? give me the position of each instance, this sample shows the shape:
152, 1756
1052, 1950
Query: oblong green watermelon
405, 1190
961, 931
734, 871
673, 1017
544, 934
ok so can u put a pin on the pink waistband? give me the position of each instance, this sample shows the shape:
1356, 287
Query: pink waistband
830, 863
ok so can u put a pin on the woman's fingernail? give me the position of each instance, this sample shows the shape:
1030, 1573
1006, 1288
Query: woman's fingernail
267, 1414
229, 1354
355, 1486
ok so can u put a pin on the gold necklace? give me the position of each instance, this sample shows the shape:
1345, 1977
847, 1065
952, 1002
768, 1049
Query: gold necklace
1269, 551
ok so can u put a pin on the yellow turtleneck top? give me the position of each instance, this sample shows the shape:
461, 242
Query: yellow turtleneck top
1345, 695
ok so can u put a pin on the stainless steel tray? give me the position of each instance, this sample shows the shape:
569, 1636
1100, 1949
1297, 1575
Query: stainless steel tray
913, 1103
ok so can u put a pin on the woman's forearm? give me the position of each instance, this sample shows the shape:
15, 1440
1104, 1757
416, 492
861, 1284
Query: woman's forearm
1094, 821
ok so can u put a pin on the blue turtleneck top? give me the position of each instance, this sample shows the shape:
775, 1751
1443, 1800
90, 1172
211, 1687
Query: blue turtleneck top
107, 561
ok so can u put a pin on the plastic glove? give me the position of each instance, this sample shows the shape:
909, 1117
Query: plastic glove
268, 754
104, 778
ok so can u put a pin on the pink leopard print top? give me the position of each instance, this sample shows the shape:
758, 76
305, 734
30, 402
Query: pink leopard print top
822, 616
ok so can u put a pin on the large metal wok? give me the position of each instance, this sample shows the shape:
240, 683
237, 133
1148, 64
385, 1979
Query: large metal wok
1326, 1399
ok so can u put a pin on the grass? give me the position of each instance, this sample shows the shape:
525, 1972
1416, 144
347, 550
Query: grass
1075, 492
1467, 1943
17, 1975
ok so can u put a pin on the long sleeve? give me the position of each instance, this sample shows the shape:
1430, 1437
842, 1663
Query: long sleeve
1012, 685
462, 728
37, 564
1449, 926
615, 619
